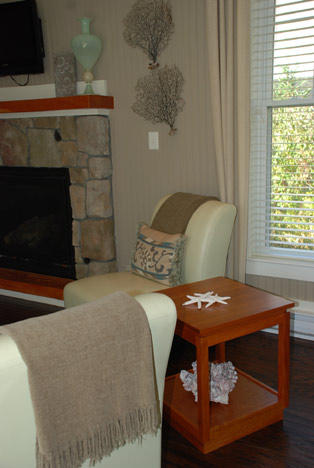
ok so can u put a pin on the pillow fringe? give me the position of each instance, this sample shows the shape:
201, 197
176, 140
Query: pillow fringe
138, 229
177, 264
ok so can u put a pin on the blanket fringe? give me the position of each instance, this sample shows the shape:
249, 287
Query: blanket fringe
103, 440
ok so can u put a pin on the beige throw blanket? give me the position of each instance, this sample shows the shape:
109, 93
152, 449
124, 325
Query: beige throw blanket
90, 371
175, 213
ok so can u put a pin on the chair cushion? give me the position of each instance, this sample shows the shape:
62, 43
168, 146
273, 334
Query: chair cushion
157, 255
94, 287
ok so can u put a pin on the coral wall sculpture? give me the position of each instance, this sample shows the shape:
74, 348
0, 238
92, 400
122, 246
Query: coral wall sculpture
149, 26
158, 96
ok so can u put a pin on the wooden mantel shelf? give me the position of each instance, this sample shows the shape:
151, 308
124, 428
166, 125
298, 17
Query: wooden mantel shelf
93, 101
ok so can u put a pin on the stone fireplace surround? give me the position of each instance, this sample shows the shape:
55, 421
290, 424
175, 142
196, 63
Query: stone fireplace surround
80, 143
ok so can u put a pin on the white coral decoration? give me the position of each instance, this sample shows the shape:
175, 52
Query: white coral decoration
223, 378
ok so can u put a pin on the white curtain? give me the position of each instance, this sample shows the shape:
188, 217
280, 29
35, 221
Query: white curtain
228, 29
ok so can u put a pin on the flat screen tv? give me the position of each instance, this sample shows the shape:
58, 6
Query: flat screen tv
21, 39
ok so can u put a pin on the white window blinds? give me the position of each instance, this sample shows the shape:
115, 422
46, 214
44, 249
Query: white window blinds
281, 220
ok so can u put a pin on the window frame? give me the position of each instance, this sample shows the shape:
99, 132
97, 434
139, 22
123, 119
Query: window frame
263, 261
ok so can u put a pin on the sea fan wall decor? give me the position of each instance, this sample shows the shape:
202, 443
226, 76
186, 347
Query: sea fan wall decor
149, 26
158, 96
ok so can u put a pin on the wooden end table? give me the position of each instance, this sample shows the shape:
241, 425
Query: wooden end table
252, 404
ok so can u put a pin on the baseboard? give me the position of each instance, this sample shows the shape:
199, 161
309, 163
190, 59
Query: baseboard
301, 321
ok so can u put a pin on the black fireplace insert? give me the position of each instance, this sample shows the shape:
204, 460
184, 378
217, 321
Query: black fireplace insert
36, 221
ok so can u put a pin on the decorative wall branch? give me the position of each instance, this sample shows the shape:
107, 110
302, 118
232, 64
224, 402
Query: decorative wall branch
158, 96
149, 26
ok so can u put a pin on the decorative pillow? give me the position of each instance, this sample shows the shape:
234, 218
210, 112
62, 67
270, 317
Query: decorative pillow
157, 255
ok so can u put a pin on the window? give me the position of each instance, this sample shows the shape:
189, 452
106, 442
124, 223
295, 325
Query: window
281, 213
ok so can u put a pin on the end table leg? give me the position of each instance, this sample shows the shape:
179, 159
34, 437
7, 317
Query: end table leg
284, 359
220, 352
203, 390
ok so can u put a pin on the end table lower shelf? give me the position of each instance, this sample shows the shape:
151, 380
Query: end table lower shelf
252, 406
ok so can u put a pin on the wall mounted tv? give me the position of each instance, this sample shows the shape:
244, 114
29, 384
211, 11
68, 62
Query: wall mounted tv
21, 39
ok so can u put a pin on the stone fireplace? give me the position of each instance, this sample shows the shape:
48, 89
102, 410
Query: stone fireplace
80, 143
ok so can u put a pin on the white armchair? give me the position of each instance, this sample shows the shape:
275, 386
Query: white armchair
17, 426
207, 235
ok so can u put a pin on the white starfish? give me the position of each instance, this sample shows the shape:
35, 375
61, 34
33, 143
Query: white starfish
206, 297
199, 298
221, 300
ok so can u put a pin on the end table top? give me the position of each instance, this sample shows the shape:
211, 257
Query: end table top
247, 306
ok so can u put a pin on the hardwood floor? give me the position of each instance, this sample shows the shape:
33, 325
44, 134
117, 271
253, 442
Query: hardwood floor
13, 310
287, 444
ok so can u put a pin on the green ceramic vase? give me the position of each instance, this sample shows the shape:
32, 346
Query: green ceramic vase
87, 48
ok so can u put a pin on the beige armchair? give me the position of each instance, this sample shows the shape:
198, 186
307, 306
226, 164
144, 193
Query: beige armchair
208, 234
17, 423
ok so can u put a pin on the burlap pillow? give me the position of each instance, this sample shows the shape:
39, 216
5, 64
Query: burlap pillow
157, 255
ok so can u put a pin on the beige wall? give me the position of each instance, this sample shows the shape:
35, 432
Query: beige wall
185, 161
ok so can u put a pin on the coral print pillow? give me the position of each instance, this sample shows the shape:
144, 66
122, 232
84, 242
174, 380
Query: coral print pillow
158, 255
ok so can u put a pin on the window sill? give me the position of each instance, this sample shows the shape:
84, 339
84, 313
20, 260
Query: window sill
288, 268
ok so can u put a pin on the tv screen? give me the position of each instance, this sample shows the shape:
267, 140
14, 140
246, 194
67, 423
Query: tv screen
21, 41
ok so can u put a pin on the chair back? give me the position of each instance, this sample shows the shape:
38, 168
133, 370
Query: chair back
208, 235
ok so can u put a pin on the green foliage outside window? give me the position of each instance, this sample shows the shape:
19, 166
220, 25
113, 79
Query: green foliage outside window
292, 174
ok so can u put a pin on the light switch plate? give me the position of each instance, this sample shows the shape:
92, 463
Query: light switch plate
153, 140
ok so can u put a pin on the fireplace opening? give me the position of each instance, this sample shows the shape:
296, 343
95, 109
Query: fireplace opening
36, 221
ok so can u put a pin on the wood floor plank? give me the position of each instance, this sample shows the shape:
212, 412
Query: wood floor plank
14, 309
